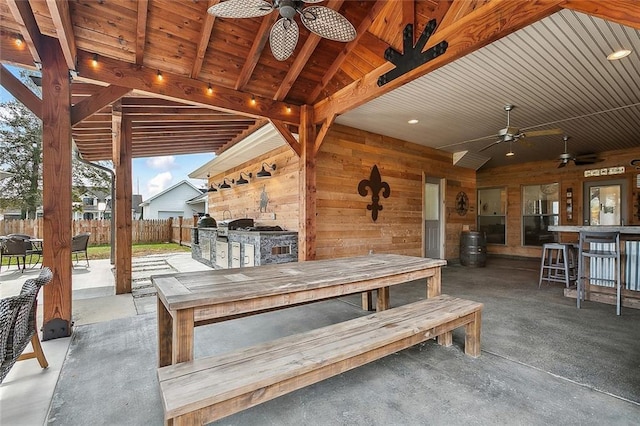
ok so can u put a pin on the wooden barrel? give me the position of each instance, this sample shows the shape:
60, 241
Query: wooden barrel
473, 249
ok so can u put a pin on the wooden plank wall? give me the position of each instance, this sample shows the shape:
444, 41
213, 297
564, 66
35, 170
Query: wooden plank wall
244, 200
570, 176
344, 225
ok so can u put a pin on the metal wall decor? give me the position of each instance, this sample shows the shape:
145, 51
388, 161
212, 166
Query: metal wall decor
462, 203
412, 57
376, 185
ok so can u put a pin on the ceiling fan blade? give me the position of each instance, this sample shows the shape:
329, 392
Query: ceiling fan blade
490, 145
283, 38
547, 132
327, 23
581, 162
562, 164
241, 9
587, 157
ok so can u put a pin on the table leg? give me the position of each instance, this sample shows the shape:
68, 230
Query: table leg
367, 301
183, 328
165, 335
382, 302
434, 284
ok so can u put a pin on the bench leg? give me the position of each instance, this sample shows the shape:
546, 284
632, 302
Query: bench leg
445, 339
472, 335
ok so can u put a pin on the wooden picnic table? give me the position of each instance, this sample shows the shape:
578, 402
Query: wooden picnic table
187, 300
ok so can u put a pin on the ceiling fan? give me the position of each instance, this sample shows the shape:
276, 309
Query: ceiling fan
513, 134
283, 37
579, 160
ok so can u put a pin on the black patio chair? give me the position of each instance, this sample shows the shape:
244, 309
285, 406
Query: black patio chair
79, 245
14, 247
18, 325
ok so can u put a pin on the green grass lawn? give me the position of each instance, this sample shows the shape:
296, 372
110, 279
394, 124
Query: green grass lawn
104, 252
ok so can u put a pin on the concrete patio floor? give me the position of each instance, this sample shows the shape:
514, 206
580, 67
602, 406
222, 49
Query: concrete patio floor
543, 361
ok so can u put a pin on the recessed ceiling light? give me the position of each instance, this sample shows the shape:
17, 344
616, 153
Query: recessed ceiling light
413, 121
619, 54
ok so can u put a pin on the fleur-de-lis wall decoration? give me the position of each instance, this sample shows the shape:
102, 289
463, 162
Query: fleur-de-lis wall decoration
376, 185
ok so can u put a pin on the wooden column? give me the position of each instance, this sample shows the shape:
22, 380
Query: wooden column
121, 127
307, 172
56, 184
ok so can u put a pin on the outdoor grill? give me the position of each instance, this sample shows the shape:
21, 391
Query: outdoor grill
224, 226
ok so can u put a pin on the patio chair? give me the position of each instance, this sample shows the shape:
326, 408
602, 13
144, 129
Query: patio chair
79, 245
14, 247
34, 248
18, 325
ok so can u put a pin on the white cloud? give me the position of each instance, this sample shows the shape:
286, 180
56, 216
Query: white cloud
158, 183
167, 162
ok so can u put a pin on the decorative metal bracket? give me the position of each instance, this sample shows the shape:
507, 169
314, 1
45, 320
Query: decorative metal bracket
375, 183
413, 56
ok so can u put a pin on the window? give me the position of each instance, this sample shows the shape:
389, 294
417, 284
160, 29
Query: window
492, 209
87, 201
540, 209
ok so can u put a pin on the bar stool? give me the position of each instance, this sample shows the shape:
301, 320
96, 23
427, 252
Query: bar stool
597, 247
558, 264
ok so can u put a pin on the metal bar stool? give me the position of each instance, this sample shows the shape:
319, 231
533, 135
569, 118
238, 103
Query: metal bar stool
558, 264
597, 247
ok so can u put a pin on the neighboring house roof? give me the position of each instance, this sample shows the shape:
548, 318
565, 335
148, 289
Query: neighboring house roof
198, 198
171, 188
136, 203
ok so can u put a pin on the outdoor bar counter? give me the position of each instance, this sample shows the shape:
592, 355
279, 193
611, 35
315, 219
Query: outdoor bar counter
630, 262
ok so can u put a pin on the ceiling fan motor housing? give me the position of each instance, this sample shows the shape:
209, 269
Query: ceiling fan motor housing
287, 8
508, 133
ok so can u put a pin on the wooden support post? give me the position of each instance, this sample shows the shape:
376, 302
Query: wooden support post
307, 173
123, 188
56, 198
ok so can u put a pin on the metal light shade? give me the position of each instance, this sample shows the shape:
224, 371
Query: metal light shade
224, 184
243, 181
264, 173
212, 189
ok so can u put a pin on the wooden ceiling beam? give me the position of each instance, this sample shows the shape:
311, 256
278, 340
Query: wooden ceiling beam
179, 88
203, 43
288, 136
23, 15
61, 17
141, 30
20, 91
346, 51
93, 104
624, 12
302, 57
256, 50
458, 9
477, 29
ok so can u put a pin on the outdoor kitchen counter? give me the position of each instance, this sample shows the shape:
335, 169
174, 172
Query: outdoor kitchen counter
187, 300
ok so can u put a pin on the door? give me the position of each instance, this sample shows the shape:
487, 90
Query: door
432, 212
605, 203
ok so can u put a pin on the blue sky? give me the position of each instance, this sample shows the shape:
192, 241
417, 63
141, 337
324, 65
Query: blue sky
154, 174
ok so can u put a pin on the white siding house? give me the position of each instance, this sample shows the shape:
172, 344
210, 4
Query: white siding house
172, 202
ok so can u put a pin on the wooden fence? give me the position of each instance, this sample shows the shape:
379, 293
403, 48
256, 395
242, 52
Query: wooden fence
143, 231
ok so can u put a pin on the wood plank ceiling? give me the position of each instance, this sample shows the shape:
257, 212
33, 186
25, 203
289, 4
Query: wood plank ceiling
180, 39
133, 41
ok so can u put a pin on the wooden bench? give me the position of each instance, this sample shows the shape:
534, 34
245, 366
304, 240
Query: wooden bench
207, 389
